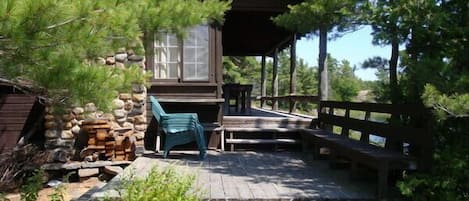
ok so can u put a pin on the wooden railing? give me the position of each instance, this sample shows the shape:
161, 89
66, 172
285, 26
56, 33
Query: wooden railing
291, 99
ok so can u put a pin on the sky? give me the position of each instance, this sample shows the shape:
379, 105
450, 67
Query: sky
355, 47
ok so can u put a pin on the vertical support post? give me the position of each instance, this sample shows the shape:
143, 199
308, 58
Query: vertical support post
293, 73
275, 80
263, 88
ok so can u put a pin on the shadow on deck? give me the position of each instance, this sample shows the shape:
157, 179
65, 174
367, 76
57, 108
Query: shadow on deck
258, 176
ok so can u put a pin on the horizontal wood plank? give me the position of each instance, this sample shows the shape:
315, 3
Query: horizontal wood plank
262, 141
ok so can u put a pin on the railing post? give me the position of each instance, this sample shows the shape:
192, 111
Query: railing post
275, 80
263, 89
292, 101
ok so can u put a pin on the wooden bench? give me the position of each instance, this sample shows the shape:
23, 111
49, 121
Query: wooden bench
407, 145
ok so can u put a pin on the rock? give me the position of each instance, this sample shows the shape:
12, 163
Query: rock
130, 52
110, 60
136, 111
89, 172
80, 117
67, 134
50, 143
50, 124
108, 116
91, 115
76, 129
59, 155
120, 65
118, 104
140, 127
113, 170
49, 117
66, 143
138, 97
121, 120
78, 110
121, 57
99, 114
128, 105
125, 96
140, 119
120, 113
135, 58
127, 125
139, 135
139, 105
138, 88
68, 117
51, 134
90, 107
67, 125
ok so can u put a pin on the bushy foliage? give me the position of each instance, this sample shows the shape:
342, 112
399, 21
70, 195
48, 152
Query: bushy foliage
448, 178
166, 184
344, 84
53, 44
18, 165
30, 189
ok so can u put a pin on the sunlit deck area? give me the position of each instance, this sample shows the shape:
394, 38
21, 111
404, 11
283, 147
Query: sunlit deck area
258, 176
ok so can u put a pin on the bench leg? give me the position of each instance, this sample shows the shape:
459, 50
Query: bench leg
231, 145
383, 181
222, 140
158, 142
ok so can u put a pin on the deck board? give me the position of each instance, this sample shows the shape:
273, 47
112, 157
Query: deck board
261, 176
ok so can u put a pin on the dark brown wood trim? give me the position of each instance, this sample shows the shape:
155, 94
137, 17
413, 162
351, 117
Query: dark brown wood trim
275, 80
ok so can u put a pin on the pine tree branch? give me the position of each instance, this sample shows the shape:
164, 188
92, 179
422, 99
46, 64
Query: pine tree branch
449, 112
71, 20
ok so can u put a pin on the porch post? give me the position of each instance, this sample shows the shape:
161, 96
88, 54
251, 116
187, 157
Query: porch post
275, 80
293, 73
263, 88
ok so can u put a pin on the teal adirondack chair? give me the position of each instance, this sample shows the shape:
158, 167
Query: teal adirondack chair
180, 128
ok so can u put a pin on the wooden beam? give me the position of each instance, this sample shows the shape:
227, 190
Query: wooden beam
263, 88
275, 80
293, 73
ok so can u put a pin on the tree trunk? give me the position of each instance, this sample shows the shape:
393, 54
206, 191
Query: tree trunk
322, 68
393, 71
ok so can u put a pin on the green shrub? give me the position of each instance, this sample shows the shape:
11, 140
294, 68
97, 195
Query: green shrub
30, 190
166, 184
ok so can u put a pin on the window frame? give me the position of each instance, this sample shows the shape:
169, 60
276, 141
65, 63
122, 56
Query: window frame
151, 64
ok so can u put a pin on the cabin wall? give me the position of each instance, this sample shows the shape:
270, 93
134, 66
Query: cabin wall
209, 110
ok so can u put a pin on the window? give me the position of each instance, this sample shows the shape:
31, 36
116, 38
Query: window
186, 60
167, 57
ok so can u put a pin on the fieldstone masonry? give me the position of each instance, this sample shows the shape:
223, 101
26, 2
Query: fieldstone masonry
129, 113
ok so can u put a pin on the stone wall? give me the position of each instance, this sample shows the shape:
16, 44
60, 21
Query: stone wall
129, 112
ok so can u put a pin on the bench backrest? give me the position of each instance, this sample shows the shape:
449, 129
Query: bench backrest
404, 127
156, 108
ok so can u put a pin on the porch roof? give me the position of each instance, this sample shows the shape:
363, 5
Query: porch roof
249, 31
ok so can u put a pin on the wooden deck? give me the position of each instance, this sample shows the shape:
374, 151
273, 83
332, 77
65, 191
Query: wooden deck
258, 176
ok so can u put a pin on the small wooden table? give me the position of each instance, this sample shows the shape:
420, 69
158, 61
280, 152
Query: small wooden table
241, 93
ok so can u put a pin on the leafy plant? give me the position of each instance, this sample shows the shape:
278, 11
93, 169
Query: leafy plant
30, 190
166, 184
59, 190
